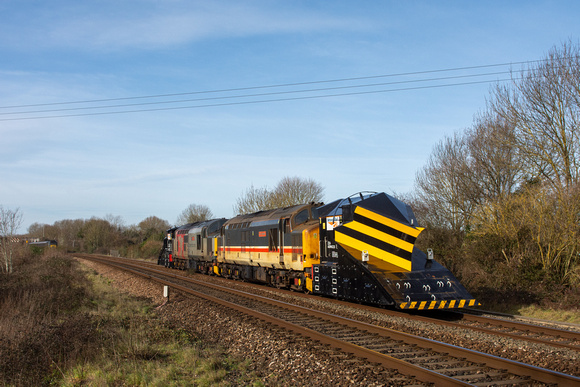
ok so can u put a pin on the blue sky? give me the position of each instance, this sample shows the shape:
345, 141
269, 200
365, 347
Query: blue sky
78, 164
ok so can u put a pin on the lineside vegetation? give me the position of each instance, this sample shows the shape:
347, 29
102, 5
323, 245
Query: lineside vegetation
501, 200
63, 325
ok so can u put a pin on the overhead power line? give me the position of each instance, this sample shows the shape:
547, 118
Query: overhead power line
254, 95
253, 102
97, 103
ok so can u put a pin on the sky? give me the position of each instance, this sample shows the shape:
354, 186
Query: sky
138, 108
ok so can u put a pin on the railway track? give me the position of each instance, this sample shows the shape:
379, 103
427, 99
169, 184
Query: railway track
428, 360
476, 321
503, 327
555, 337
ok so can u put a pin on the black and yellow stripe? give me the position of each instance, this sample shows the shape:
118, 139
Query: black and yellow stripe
384, 238
426, 305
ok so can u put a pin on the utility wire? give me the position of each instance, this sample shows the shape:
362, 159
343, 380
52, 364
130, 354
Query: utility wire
254, 95
255, 102
276, 85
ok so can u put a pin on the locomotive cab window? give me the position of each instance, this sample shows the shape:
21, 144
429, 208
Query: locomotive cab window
301, 217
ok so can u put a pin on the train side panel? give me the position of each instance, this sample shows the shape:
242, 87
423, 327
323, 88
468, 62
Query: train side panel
268, 246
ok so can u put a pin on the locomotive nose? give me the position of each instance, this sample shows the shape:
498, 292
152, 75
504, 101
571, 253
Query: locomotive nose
378, 234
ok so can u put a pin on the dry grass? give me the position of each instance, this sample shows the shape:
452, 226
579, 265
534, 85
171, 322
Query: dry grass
41, 331
62, 325
534, 311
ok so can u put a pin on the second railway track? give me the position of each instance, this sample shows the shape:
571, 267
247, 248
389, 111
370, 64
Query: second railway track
428, 360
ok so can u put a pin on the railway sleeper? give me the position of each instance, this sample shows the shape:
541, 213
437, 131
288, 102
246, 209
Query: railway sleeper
427, 360
463, 370
510, 382
407, 354
450, 362
486, 375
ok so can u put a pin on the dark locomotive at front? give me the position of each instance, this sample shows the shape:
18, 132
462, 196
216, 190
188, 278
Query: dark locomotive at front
359, 249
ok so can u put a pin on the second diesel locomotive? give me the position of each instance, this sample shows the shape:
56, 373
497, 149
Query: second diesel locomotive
359, 249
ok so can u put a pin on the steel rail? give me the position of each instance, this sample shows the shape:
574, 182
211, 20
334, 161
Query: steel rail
523, 326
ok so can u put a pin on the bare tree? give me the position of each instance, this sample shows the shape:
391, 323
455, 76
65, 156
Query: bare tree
99, 235
295, 190
151, 226
194, 213
444, 184
115, 221
542, 104
10, 222
497, 169
288, 192
117, 226
253, 200
36, 230
69, 232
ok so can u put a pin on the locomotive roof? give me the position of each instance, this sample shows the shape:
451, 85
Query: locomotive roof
266, 215
201, 224
381, 203
197, 227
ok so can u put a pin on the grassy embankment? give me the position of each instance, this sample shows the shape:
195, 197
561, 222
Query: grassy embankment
553, 306
534, 311
61, 324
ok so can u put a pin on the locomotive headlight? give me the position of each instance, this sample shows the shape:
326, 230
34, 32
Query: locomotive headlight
430, 254
365, 256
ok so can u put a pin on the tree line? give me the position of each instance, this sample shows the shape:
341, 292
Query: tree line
103, 235
502, 197
109, 235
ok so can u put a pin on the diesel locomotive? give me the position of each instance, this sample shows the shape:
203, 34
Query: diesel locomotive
360, 249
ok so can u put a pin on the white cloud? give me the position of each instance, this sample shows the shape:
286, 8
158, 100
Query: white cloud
150, 24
